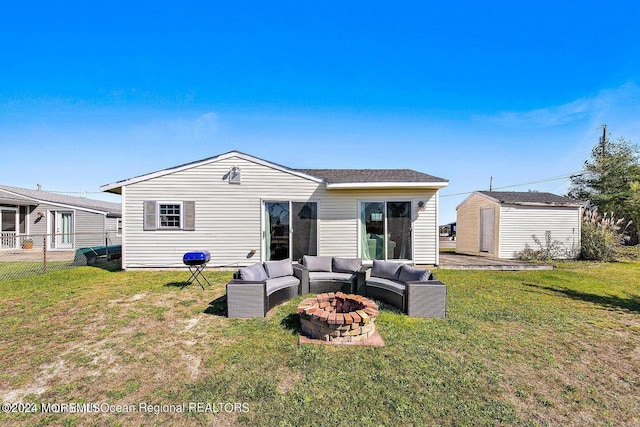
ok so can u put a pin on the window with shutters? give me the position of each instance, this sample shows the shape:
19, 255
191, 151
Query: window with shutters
169, 215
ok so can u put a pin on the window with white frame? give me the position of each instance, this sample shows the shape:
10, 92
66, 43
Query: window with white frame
170, 215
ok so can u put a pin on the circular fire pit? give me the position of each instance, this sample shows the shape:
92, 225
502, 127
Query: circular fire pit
338, 317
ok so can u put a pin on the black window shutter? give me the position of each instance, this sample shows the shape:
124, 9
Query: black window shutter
189, 215
150, 215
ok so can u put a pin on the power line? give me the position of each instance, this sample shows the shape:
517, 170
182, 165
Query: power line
555, 178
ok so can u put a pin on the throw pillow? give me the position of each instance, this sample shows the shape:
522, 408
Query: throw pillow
278, 268
411, 274
386, 270
253, 273
346, 265
317, 263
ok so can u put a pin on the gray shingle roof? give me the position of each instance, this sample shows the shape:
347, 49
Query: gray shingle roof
63, 199
530, 197
359, 177
339, 176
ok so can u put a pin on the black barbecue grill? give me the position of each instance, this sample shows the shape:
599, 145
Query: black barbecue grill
197, 261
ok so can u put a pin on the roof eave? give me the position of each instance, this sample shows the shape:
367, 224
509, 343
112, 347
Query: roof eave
385, 185
116, 187
17, 201
542, 204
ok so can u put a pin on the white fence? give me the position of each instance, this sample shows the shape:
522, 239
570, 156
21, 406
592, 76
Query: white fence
8, 240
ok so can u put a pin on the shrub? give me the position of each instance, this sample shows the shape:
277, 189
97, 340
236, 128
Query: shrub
602, 236
550, 249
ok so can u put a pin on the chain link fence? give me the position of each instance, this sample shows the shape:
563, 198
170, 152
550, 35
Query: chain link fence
26, 255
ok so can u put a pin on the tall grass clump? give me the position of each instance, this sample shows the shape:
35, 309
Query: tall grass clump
602, 235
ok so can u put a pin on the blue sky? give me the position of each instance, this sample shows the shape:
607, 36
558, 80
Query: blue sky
95, 93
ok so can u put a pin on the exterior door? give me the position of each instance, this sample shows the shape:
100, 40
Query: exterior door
385, 230
8, 232
487, 216
63, 230
399, 230
290, 230
276, 232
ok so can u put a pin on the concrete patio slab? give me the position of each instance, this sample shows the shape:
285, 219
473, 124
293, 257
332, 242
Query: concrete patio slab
454, 261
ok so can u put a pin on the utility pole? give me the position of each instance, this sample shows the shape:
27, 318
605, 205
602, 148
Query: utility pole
603, 140
490, 183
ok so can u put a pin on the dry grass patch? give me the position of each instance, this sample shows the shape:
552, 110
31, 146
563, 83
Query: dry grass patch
109, 344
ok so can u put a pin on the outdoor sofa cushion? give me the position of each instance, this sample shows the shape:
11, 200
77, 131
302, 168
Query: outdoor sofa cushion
411, 274
281, 283
386, 269
317, 263
276, 269
325, 275
390, 285
253, 273
346, 265
399, 272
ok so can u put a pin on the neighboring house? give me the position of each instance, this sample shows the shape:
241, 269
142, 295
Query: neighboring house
448, 230
67, 222
499, 224
243, 209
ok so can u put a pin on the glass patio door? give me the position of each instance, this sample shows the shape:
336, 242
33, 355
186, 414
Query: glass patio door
385, 230
399, 230
8, 232
63, 230
290, 230
276, 224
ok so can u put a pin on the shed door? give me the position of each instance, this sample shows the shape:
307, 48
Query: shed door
486, 229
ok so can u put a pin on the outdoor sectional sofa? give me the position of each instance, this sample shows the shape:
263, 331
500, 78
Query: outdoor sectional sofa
331, 274
415, 291
258, 288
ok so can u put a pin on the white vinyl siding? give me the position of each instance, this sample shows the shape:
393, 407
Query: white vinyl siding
114, 230
339, 212
425, 230
229, 216
519, 223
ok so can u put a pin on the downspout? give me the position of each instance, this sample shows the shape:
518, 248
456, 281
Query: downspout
437, 227
123, 216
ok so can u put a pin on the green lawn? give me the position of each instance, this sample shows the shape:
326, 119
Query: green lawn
559, 347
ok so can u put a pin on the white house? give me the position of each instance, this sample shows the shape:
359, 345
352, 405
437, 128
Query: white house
500, 223
243, 209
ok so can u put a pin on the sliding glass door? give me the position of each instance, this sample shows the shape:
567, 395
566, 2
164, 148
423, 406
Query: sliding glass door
385, 230
305, 229
290, 230
277, 238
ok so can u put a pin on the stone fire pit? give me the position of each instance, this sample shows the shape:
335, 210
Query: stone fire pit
338, 317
